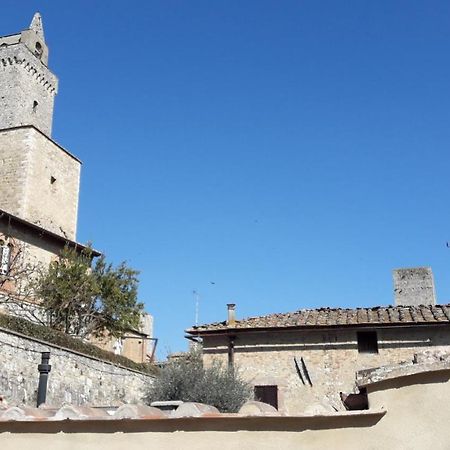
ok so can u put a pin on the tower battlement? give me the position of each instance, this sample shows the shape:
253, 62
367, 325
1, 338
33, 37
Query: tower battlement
27, 86
41, 75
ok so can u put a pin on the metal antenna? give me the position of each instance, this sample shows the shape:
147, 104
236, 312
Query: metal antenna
197, 302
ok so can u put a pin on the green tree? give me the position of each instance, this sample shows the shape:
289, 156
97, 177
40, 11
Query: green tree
85, 299
184, 378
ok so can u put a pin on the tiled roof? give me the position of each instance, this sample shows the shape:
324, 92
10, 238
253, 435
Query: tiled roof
127, 413
338, 317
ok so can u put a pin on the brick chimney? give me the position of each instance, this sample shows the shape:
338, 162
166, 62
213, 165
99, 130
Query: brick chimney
414, 286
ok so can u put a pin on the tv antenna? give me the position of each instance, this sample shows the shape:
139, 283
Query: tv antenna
197, 304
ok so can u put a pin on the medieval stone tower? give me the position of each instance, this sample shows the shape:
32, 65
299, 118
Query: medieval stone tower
39, 180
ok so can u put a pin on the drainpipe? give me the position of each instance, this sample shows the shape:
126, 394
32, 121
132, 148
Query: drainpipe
231, 323
231, 351
44, 369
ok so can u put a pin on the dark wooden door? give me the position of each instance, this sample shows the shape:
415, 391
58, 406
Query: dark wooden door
267, 394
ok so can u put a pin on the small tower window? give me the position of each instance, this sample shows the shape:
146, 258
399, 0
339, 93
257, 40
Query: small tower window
52, 180
367, 342
38, 50
35, 106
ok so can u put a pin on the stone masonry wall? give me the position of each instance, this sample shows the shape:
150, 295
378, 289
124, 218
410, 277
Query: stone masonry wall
331, 359
13, 163
27, 89
74, 378
40, 181
414, 286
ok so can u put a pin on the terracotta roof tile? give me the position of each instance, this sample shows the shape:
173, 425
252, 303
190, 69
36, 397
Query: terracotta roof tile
325, 317
197, 411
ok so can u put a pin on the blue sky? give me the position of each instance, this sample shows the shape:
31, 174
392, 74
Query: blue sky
279, 155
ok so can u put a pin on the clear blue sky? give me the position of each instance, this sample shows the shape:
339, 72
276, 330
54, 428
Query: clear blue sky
293, 153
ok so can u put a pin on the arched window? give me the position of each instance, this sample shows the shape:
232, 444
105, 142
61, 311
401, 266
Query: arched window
38, 50
35, 106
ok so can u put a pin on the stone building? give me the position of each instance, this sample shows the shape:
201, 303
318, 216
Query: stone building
307, 359
39, 179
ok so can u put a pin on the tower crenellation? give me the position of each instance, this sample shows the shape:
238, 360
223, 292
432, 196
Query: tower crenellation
27, 86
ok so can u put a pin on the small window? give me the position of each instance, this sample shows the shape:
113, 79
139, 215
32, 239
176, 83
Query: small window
367, 342
35, 106
267, 394
38, 50
52, 180
5, 258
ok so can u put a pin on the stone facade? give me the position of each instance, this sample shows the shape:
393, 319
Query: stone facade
40, 180
331, 359
74, 378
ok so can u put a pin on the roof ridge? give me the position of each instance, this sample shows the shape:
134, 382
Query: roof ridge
327, 316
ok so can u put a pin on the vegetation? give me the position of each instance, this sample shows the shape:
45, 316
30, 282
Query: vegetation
185, 379
84, 300
60, 339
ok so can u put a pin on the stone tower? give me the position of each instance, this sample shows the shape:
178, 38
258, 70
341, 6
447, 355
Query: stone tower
39, 179
414, 286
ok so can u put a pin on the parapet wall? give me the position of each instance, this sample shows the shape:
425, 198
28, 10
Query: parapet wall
74, 378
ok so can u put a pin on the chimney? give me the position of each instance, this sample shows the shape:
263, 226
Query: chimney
414, 286
231, 320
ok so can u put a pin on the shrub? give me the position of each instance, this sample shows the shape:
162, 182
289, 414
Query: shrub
187, 380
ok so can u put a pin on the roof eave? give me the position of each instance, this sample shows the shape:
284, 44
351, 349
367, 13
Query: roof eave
222, 331
14, 219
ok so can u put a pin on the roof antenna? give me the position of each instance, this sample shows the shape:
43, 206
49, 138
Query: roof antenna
197, 304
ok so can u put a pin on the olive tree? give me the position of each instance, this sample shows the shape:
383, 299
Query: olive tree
186, 379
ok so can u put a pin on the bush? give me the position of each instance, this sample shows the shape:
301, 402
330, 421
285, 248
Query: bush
187, 380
